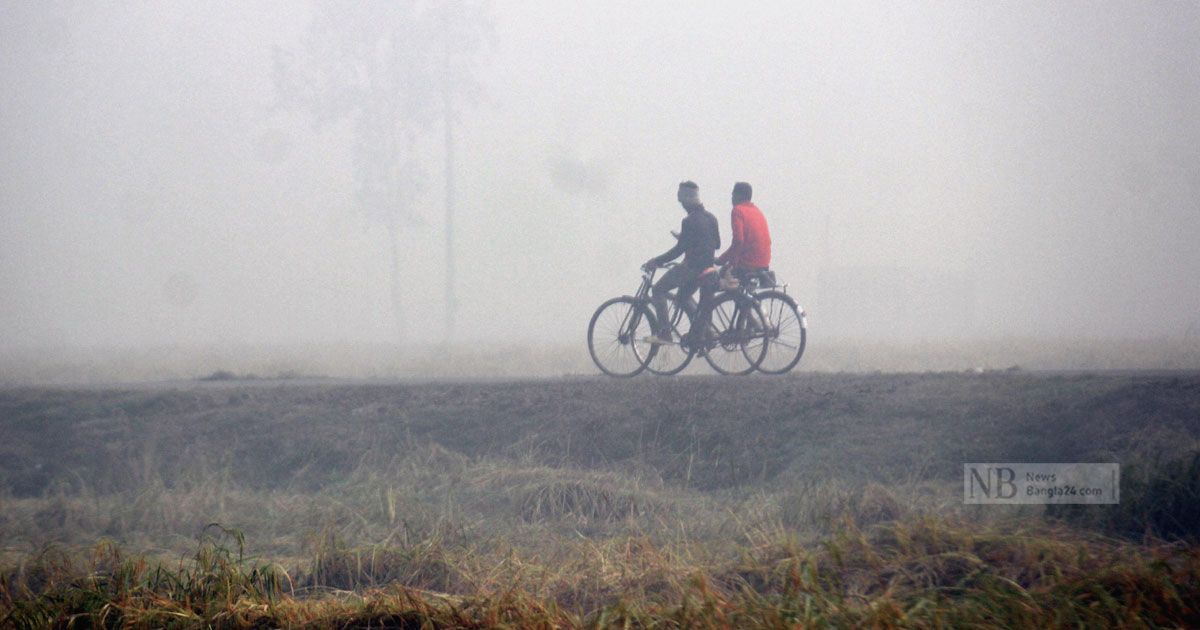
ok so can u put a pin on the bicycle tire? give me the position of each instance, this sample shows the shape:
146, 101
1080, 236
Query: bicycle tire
788, 334
671, 359
611, 342
729, 335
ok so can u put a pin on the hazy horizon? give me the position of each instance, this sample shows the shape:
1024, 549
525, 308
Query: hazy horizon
929, 171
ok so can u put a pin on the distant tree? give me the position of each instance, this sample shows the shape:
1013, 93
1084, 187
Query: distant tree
394, 70
464, 29
1193, 330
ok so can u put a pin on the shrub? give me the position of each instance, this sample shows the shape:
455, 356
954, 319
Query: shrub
1161, 501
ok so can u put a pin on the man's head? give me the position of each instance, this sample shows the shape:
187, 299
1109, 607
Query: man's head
742, 192
689, 194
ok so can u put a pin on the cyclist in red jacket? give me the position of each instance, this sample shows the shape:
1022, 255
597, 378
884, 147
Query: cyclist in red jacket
750, 249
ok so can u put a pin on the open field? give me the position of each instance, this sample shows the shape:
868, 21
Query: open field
827, 499
82, 366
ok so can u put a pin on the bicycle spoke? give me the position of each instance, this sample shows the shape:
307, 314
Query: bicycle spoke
785, 338
732, 346
615, 337
672, 358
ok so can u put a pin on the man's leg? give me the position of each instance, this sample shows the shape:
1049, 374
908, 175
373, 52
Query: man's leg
744, 274
684, 295
674, 278
708, 288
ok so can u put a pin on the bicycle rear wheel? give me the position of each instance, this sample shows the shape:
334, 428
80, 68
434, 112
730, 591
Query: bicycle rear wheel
735, 338
786, 333
616, 337
670, 359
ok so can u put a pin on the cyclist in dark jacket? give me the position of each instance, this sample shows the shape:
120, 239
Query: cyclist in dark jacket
699, 238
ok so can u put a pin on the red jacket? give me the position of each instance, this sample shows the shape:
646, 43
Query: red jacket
751, 246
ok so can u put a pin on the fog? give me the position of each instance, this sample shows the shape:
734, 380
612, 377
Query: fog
929, 171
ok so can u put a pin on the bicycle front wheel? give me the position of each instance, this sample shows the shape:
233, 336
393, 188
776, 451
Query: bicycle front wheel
735, 338
670, 359
617, 334
786, 333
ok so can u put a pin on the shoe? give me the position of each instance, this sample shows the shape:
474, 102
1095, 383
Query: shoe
659, 339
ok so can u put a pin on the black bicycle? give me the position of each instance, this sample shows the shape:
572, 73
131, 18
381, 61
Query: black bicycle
620, 327
736, 339
786, 325
733, 341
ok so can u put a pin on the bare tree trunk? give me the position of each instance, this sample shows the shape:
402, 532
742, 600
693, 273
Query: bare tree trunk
451, 298
397, 305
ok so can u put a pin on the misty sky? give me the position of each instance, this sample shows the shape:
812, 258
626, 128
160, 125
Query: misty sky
927, 169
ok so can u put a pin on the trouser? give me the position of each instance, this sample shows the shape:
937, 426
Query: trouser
686, 280
743, 274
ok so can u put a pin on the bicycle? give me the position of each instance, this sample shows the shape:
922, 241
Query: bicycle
732, 343
786, 324
620, 326
735, 339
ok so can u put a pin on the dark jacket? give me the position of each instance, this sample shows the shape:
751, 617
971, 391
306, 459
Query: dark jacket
699, 239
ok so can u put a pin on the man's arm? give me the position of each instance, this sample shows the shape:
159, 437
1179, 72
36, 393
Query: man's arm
737, 236
685, 234
716, 233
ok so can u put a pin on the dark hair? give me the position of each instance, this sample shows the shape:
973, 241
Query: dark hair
743, 190
689, 184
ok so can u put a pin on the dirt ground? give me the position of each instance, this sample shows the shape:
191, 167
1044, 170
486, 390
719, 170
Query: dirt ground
466, 486
701, 432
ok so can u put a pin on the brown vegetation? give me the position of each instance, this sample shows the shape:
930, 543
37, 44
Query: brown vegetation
815, 500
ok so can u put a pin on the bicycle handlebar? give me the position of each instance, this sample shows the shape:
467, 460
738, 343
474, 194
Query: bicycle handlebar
648, 274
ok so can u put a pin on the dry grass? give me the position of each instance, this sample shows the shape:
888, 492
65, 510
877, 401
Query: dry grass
381, 552
919, 573
826, 503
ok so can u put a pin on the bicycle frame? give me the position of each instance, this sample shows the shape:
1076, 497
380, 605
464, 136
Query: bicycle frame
642, 296
729, 321
643, 292
745, 292
743, 295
